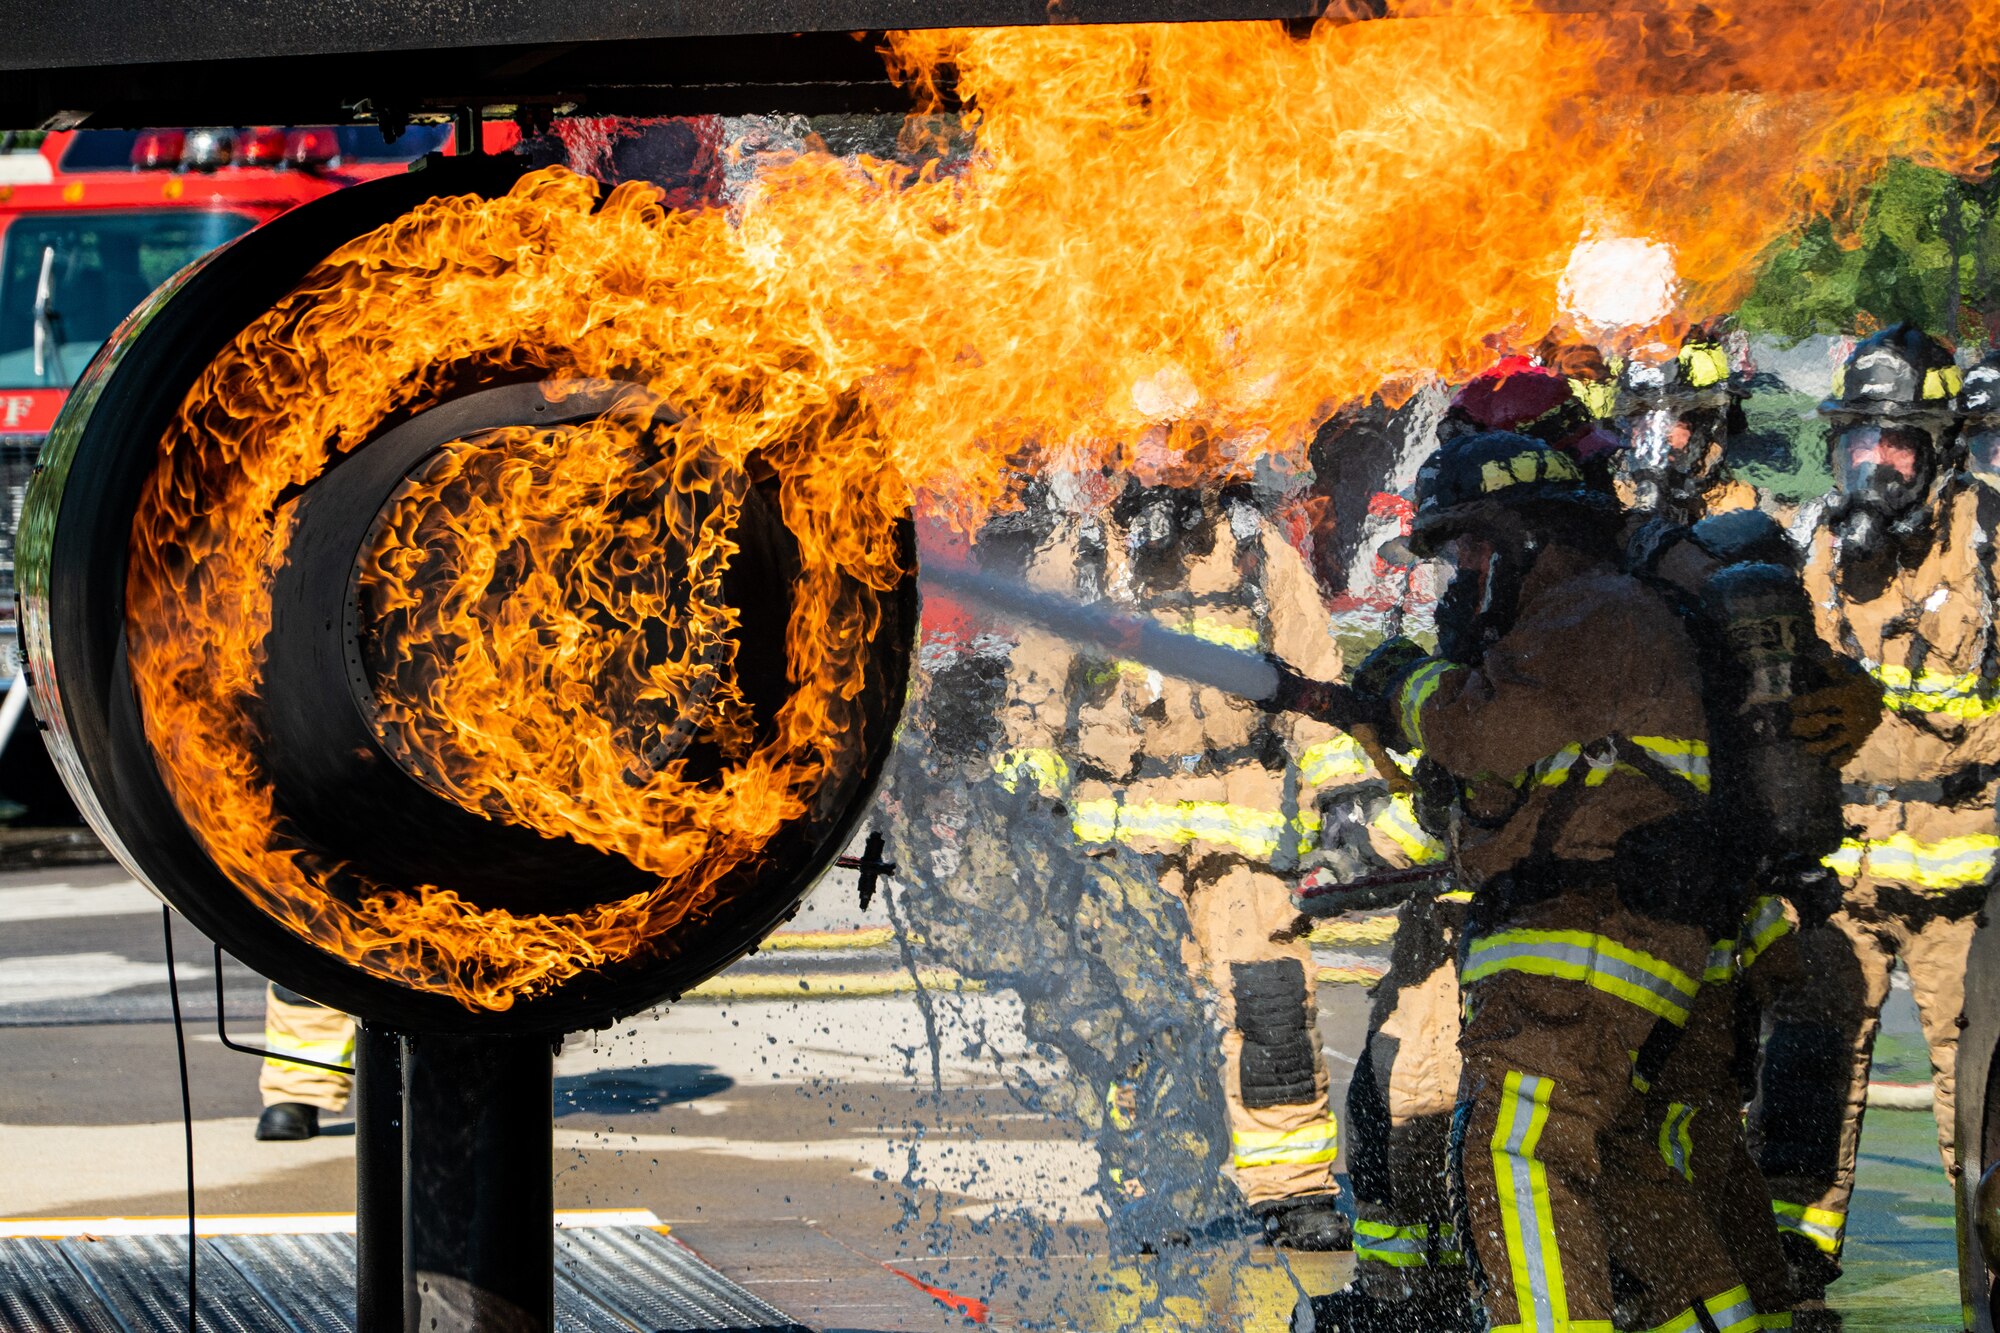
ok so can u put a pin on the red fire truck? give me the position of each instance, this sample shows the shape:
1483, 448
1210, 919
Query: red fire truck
91, 221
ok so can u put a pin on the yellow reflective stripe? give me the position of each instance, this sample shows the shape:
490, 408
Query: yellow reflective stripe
1417, 691
1094, 820
1598, 961
1943, 382
1822, 1226
1554, 771
1398, 821
1210, 630
1534, 1260
1112, 1110
1498, 474
326, 1052
1598, 397
1687, 758
1766, 924
1047, 767
1249, 830
1721, 964
1308, 1146
1966, 696
1731, 1312
1677, 1139
1703, 365
1407, 1246
1341, 757
1949, 863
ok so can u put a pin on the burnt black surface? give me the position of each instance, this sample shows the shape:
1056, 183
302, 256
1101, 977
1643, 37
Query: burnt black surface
133, 62
349, 801
96, 467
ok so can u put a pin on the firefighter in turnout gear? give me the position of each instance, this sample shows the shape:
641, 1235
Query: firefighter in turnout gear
1410, 1264
1203, 789
1676, 412
1902, 577
1568, 711
295, 1094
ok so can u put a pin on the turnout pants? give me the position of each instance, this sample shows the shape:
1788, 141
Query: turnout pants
1805, 1126
1399, 1110
294, 1025
1561, 1169
1696, 1107
1283, 1136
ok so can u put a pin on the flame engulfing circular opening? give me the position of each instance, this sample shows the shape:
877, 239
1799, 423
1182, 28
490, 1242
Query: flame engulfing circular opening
487, 633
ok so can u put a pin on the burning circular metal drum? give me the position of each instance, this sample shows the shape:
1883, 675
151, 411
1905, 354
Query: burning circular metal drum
451, 627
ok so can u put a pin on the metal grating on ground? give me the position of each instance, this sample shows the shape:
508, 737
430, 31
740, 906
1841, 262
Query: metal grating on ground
608, 1280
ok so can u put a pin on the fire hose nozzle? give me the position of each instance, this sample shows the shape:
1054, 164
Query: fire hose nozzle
1325, 701
871, 865
1322, 895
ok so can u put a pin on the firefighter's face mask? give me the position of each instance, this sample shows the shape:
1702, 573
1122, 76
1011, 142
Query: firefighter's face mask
1882, 475
1164, 528
1478, 600
1669, 459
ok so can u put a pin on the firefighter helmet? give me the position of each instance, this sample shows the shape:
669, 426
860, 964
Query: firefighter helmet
1979, 395
1899, 372
1498, 475
1528, 398
1891, 415
1516, 394
1677, 411
1979, 406
1696, 376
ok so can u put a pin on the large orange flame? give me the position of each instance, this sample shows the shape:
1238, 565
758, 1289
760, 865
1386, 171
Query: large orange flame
1174, 248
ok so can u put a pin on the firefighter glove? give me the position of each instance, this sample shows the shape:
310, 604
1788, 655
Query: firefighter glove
1379, 678
1835, 719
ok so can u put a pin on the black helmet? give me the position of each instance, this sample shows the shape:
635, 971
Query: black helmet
1979, 405
1891, 419
1899, 372
1696, 376
1979, 396
1477, 478
1677, 413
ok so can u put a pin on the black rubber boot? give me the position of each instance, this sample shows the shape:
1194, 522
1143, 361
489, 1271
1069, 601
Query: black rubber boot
1813, 1269
1312, 1222
288, 1121
1352, 1310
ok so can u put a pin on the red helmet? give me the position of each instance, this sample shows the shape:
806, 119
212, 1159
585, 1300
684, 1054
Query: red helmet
1522, 396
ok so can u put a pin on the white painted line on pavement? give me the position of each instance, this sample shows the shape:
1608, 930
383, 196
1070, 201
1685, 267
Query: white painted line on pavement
40, 978
272, 1224
60, 902
1901, 1096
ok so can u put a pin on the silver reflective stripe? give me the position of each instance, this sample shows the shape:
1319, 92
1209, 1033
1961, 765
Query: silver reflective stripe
1676, 1147
1530, 1113
1822, 1226
1488, 958
1736, 1317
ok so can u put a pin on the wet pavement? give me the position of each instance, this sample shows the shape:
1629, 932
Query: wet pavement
794, 1127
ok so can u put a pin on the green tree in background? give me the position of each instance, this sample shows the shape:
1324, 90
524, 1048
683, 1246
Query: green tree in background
1928, 251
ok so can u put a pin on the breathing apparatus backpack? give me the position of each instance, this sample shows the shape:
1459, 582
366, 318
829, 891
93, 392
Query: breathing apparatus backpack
1774, 807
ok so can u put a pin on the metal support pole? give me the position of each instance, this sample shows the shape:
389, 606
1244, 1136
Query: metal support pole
378, 1178
478, 1180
